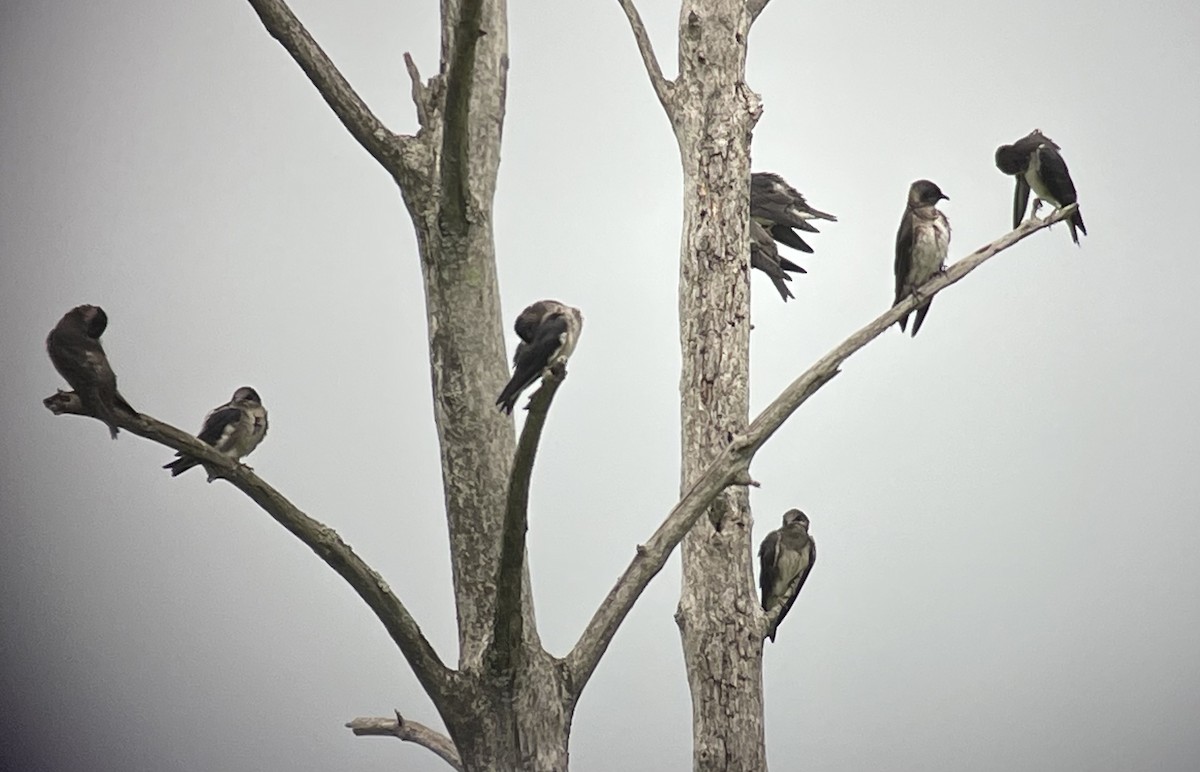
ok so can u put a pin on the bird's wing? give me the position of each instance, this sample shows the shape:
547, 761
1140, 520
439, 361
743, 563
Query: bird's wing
1053, 171
768, 554
1020, 200
789, 238
904, 246
219, 425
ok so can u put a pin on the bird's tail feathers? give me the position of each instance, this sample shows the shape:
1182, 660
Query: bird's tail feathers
181, 465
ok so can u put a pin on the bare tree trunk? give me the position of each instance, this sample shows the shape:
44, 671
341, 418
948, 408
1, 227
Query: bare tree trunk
718, 615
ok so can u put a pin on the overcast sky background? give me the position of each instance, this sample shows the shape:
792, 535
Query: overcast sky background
1006, 506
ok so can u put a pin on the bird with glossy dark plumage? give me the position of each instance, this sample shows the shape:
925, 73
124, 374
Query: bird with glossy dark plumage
234, 429
921, 245
548, 331
785, 559
778, 209
1036, 163
75, 350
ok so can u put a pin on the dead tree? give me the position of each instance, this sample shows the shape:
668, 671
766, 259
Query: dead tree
508, 703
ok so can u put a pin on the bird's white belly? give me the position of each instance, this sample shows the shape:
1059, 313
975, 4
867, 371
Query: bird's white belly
1035, 183
929, 251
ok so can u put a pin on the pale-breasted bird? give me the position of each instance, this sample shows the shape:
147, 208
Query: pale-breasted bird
548, 331
921, 245
234, 429
1035, 162
75, 350
785, 559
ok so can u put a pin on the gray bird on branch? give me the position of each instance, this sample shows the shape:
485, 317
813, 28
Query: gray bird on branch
75, 350
1035, 162
785, 559
921, 245
548, 331
234, 429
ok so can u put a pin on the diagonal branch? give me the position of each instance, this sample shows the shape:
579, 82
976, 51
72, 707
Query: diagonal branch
508, 626
792, 397
731, 466
320, 538
409, 731
663, 88
349, 107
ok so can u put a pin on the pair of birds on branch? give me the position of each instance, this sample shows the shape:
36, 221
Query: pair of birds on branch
924, 236
233, 429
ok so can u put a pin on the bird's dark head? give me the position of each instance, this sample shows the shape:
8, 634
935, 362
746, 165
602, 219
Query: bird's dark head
795, 517
247, 394
1010, 160
92, 319
924, 193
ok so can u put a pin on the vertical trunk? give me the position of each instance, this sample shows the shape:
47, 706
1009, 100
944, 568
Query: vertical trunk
718, 609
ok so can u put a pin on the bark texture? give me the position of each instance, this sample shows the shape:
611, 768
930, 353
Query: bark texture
719, 619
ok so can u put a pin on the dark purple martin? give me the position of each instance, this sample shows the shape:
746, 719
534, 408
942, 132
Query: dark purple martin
548, 331
234, 429
776, 208
779, 208
785, 559
1035, 162
74, 348
921, 245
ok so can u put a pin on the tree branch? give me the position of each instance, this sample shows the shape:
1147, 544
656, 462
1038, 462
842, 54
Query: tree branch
508, 627
411, 732
320, 538
732, 464
663, 88
387, 148
456, 133
792, 397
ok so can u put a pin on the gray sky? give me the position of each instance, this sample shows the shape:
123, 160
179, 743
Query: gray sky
1006, 506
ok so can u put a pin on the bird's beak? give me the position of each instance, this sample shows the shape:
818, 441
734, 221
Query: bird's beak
944, 196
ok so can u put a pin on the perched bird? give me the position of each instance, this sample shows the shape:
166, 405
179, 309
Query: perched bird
74, 348
1036, 163
775, 209
764, 256
779, 208
548, 331
785, 559
234, 429
921, 245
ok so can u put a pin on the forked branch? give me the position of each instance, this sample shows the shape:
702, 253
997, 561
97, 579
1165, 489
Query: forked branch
663, 88
732, 464
409, 731
320, 538
349, 107
507, 629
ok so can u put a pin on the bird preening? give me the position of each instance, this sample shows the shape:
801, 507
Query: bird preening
234, 429
777, 210
1036, 163
785, 559
548, 331
75, 350
922, 243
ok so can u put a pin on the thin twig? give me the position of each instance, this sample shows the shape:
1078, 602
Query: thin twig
663, 88
732, 464
320, 538
411, 732
351, 110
